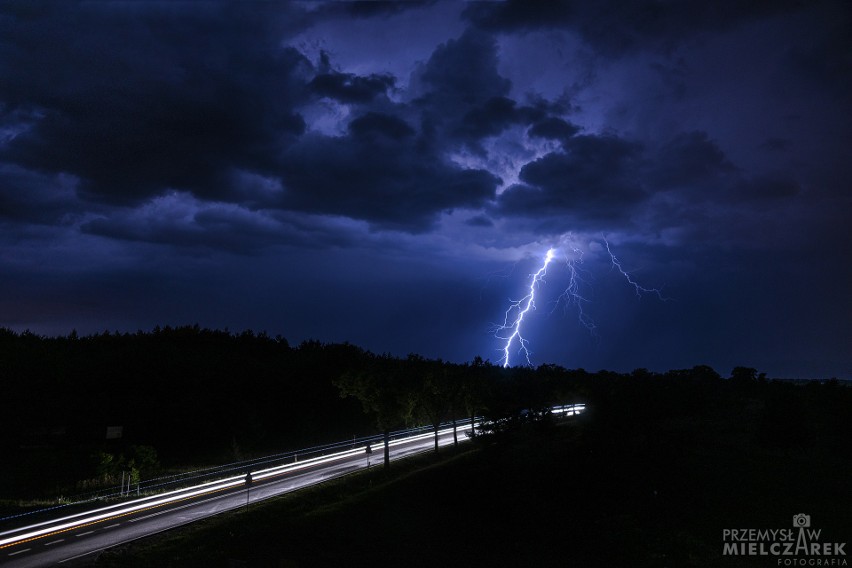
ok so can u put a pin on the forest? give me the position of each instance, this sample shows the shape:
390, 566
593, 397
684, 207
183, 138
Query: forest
77, 410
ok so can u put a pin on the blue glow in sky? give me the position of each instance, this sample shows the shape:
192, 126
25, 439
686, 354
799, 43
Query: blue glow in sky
388, 174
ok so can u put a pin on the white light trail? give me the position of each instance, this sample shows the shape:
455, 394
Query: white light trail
32, 532
118, 511
86, 518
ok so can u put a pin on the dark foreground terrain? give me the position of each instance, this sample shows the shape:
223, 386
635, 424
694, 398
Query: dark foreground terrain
651, 476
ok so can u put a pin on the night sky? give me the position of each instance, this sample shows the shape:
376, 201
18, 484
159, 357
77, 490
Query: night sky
392, 174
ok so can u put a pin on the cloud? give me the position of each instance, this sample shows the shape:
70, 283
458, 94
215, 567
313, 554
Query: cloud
553, 128
464, 72
497, 114
179, 219
823, 60
615, 27
31, 197
223, 121
676, 193
206, 102
488, 120
766, 188
479, 221
518, 15
689, 159
776, 144
371, 8
131, 102
183, 221
594, 179
373, 124
351, 88
693, 169
379, 173
460, 92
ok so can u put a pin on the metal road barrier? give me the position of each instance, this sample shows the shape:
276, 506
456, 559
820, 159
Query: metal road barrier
164, 490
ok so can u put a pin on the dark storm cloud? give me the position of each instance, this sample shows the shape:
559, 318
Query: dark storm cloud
490, 119
149, 109
30, 197
465, 97
595, 178
499, 113
373, 124
826, 59
607, 183
479, 221
766, 188
137, 98
349, 87
380, 173
390, 167
136, 101
617, 26
463, 72
553, 128
216, 227
695, 170
372, 8
179, 220
690, 159
776, 144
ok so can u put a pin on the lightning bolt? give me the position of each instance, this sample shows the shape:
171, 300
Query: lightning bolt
572, 295
510, 330
636, 286
519, 309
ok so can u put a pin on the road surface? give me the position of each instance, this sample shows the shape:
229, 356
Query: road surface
77, 538
64, 540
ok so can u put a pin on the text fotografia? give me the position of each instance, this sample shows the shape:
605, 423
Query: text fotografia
799, 546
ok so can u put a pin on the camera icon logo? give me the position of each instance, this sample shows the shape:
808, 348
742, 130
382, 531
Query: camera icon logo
802, 520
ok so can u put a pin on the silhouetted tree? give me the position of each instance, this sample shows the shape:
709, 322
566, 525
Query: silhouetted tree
744, 374
428, 396
454, 375
474, 388
380, 388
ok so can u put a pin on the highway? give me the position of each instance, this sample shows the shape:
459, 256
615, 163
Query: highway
66, 539
73, 539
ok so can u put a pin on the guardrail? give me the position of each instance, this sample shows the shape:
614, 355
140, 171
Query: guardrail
161, 490
54, 526
165, 483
